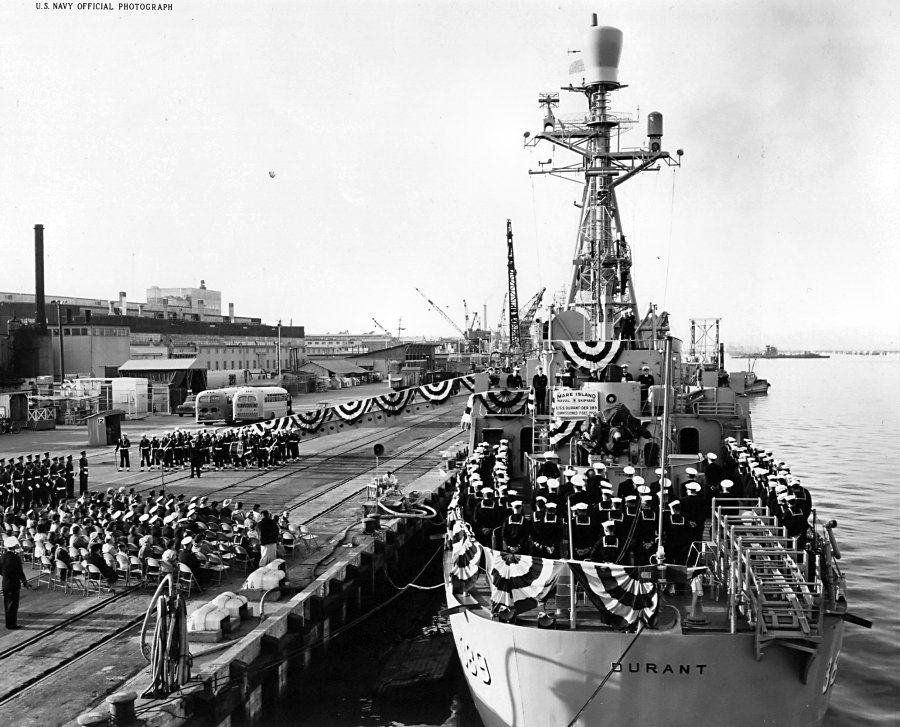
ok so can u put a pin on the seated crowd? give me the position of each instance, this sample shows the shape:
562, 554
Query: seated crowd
110, 529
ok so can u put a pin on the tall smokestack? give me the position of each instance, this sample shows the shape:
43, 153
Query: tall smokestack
41, 313
231, 312
123, 309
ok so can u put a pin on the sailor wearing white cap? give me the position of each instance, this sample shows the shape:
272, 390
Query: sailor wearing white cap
713, 471
585, 531
627, 486
488, 516
516, 532
547, 533
607, 548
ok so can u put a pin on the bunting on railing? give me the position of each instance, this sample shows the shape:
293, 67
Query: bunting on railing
614, 591
496, 403
562, 430
394, 402
438, 391
521, 582
350, 411
465, 550
468, 382
465, 421
589, 356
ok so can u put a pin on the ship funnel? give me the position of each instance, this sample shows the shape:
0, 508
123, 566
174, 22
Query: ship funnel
602, 48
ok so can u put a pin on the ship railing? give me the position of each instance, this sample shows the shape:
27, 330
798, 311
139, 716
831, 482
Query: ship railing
713, 408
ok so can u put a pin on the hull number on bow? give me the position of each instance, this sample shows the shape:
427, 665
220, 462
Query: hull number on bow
474, 662
830, 673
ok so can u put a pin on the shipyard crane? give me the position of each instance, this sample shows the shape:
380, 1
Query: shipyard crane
515, 332
443, 315
531, 309
381, 327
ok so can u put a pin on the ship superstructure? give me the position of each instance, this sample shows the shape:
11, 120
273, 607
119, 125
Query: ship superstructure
727, 614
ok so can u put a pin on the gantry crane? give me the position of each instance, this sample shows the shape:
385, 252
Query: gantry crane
515, 333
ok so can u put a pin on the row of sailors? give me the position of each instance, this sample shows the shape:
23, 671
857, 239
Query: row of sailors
593, 504
236, 448
615, 529
34, 480
758, 474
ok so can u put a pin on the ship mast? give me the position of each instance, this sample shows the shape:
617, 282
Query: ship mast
601, 285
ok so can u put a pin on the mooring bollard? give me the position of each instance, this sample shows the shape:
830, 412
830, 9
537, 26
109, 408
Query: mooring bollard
121, 708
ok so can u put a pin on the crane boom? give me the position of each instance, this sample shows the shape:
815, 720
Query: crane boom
443, 315
381, 327
515, 335
531, 309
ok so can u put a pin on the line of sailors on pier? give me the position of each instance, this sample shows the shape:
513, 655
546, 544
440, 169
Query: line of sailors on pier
35, 480
237, 448
585, 517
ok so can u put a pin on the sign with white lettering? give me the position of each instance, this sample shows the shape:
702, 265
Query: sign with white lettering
573, 404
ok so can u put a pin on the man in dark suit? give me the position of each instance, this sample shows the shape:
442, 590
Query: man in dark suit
13, 580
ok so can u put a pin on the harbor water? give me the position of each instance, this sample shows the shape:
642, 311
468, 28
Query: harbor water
836, 422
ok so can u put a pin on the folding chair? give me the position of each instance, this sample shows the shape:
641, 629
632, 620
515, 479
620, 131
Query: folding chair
153, 571
96, 583
242, 558
123, 567
216, 565
186, 579
63, 576
287, 542
46, 574
78, 578
309, 540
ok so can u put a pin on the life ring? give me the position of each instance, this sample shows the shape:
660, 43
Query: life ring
611, 398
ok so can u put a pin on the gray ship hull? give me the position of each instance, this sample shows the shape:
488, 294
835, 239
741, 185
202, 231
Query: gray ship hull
523, 676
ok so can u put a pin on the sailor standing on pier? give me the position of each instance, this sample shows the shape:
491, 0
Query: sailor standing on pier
13, 580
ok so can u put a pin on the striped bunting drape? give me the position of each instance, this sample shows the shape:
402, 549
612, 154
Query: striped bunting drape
520, 582
465, 551
468, 382
588, 356
350, 411
438, 391
614, 591
391, 403
497, 403
562, 431
394, 402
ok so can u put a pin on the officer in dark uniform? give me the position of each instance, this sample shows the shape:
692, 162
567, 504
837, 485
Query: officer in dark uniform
550, 467
13, 578
802, 497
70, 477
83, 474
627, 486
646, 380
714, 473
794, 520
539, 384
6, 488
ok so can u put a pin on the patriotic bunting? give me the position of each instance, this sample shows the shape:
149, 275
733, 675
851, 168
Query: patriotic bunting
438, 391
588, 356
562, 430
520, 582
350, 411
394, 402
310, 420
468, 382
614, 591
465, 420
465, 550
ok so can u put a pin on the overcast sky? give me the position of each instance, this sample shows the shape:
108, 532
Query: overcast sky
143, 143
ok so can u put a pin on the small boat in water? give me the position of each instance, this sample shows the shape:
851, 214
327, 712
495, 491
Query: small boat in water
619, 549
747, 382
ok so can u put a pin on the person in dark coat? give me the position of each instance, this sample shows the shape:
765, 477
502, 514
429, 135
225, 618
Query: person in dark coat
83, 474
95, 558
539, 384
13, 578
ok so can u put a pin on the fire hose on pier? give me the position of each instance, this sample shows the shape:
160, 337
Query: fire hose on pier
169, 653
